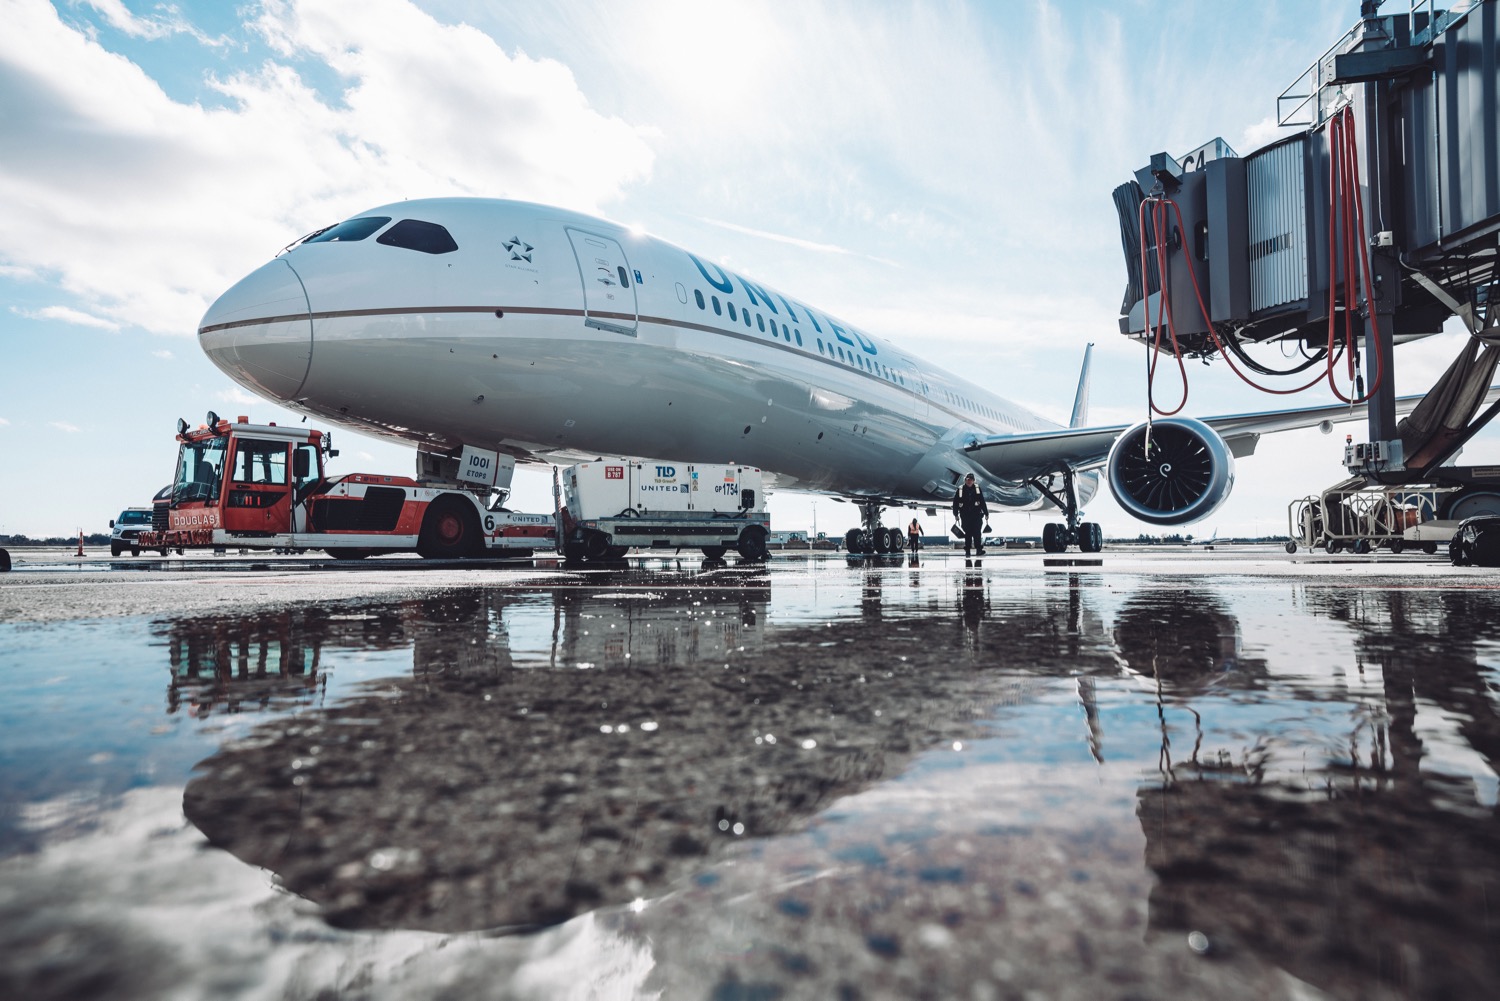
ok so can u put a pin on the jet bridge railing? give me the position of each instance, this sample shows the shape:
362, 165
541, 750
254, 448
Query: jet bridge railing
1306, 101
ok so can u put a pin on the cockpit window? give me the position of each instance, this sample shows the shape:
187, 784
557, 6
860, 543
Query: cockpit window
414, 234
350, 230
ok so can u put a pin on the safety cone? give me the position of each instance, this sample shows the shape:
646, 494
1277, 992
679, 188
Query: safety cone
80, 542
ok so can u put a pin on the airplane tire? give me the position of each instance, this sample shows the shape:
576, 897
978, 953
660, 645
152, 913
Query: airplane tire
854, 541
752, 544
1090, 537
713, 552
1053, 538
449, 531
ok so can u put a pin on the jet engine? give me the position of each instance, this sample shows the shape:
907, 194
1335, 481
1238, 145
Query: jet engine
1171, 472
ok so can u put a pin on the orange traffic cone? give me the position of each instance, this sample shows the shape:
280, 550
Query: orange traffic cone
80, 542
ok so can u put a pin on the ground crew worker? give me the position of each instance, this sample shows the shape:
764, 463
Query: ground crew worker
971, 512
913, 535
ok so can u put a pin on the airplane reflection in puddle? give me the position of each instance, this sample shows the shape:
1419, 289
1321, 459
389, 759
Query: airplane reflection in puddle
551, 754
554, 753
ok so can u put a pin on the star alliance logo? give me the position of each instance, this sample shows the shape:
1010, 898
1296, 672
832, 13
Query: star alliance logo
519, 249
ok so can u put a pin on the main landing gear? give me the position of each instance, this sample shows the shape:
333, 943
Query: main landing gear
1086, 535
873, 538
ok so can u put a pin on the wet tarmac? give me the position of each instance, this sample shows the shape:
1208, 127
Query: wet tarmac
1180, 774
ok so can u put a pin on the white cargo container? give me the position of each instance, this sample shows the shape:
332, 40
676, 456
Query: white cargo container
612, 505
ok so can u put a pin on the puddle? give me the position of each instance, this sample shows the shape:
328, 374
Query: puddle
789, 782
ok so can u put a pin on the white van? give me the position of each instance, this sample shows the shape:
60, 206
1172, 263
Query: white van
127, 529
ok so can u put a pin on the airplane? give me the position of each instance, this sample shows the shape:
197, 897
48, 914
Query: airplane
552, 336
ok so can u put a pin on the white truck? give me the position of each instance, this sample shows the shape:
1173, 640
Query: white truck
610, 506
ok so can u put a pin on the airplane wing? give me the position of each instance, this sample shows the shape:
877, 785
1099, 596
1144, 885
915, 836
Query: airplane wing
1021, 457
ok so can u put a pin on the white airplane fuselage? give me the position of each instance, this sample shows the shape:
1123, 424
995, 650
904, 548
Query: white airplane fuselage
553, 335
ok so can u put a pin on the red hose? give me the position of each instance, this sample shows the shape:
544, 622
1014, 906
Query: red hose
1343, 192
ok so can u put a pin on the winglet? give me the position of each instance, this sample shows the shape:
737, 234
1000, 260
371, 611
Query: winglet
1081, 400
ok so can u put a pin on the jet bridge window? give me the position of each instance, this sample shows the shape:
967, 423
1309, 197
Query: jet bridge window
350, 230
414, 234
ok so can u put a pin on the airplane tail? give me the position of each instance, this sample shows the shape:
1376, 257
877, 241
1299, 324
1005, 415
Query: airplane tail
1080, 416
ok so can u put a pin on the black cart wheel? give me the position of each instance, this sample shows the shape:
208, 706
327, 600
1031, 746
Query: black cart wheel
450, 531
752, 543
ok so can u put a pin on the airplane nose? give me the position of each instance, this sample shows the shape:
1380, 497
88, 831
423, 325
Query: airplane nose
260, 331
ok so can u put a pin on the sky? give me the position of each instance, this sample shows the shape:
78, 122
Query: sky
936, 173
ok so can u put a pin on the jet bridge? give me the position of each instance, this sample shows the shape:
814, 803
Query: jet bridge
1371, 226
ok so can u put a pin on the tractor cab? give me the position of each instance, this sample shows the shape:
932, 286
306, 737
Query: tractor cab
248, 479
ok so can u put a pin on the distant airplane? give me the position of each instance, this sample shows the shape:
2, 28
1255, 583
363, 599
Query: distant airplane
553, 336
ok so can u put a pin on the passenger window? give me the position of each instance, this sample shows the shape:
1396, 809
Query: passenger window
717, 310
414, 234
698, 295
760, 321
732, 314
799, 337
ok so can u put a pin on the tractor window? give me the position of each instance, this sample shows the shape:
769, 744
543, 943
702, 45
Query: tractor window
262, 462
198, 466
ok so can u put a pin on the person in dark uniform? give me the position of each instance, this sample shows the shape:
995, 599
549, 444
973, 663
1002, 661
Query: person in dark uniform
913, 535
971, 512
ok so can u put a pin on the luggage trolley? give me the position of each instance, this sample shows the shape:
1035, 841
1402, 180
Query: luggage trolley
1353, 515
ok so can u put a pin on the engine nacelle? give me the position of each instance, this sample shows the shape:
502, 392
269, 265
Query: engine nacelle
1183, 475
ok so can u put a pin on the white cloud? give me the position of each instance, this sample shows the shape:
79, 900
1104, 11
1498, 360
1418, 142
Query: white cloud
163, 354
237, 395
98, 157
1260, 134
4, 423
795, 241
65, 426
167, 22
67, 315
